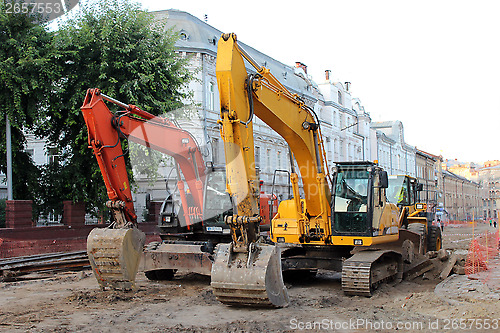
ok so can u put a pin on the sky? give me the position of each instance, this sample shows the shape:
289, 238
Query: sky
434, 65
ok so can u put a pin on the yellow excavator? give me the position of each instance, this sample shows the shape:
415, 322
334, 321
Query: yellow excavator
343, 221
404, 191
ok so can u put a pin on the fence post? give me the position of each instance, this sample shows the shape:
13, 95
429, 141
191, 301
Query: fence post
73, 213
18, 214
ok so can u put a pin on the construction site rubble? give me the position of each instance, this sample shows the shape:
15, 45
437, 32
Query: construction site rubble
71, 301
447, 261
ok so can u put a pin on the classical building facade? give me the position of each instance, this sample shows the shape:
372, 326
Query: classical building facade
489, 176
348, 131
462, 198
344, 123
390, 149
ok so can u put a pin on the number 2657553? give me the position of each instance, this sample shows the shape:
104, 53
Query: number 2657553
32, 8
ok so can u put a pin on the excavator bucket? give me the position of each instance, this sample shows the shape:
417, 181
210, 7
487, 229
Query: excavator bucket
114, 255
251, 278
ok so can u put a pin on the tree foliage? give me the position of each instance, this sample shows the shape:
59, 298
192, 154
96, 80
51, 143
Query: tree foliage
117, 47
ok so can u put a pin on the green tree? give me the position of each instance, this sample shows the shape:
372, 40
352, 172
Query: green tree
27, 73
117, 47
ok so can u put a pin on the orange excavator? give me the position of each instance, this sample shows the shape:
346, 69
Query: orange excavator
115, 252
188, 234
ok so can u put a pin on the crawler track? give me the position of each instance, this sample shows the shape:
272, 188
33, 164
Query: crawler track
365, 270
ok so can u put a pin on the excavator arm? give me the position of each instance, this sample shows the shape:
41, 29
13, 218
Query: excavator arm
114, 252
244, 95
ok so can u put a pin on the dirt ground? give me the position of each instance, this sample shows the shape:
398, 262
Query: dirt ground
69, 302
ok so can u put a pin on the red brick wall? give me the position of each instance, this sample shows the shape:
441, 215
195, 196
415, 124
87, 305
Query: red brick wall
37, 240
74, 213
22, 237
18, 214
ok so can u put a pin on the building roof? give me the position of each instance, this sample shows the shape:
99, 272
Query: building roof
495, 167
384, 124
199, 36
427, 155
436, 157
394, 130
384, 137
451, 174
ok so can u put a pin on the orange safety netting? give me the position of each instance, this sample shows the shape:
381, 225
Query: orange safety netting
457, 222
482, 251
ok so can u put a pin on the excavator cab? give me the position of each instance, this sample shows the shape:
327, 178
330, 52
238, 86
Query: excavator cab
210, 220
352, 193
405, 191
358, 193
217, 203
168, 220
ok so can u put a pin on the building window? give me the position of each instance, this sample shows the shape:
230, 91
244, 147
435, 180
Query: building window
268, 159
183, 35
278, 157
211, 97
339, 97
329, 148
31, 153
53, 156
215, 151
257, 157
53, 218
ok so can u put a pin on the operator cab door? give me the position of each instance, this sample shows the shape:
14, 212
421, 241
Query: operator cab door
400, 191
352, 210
